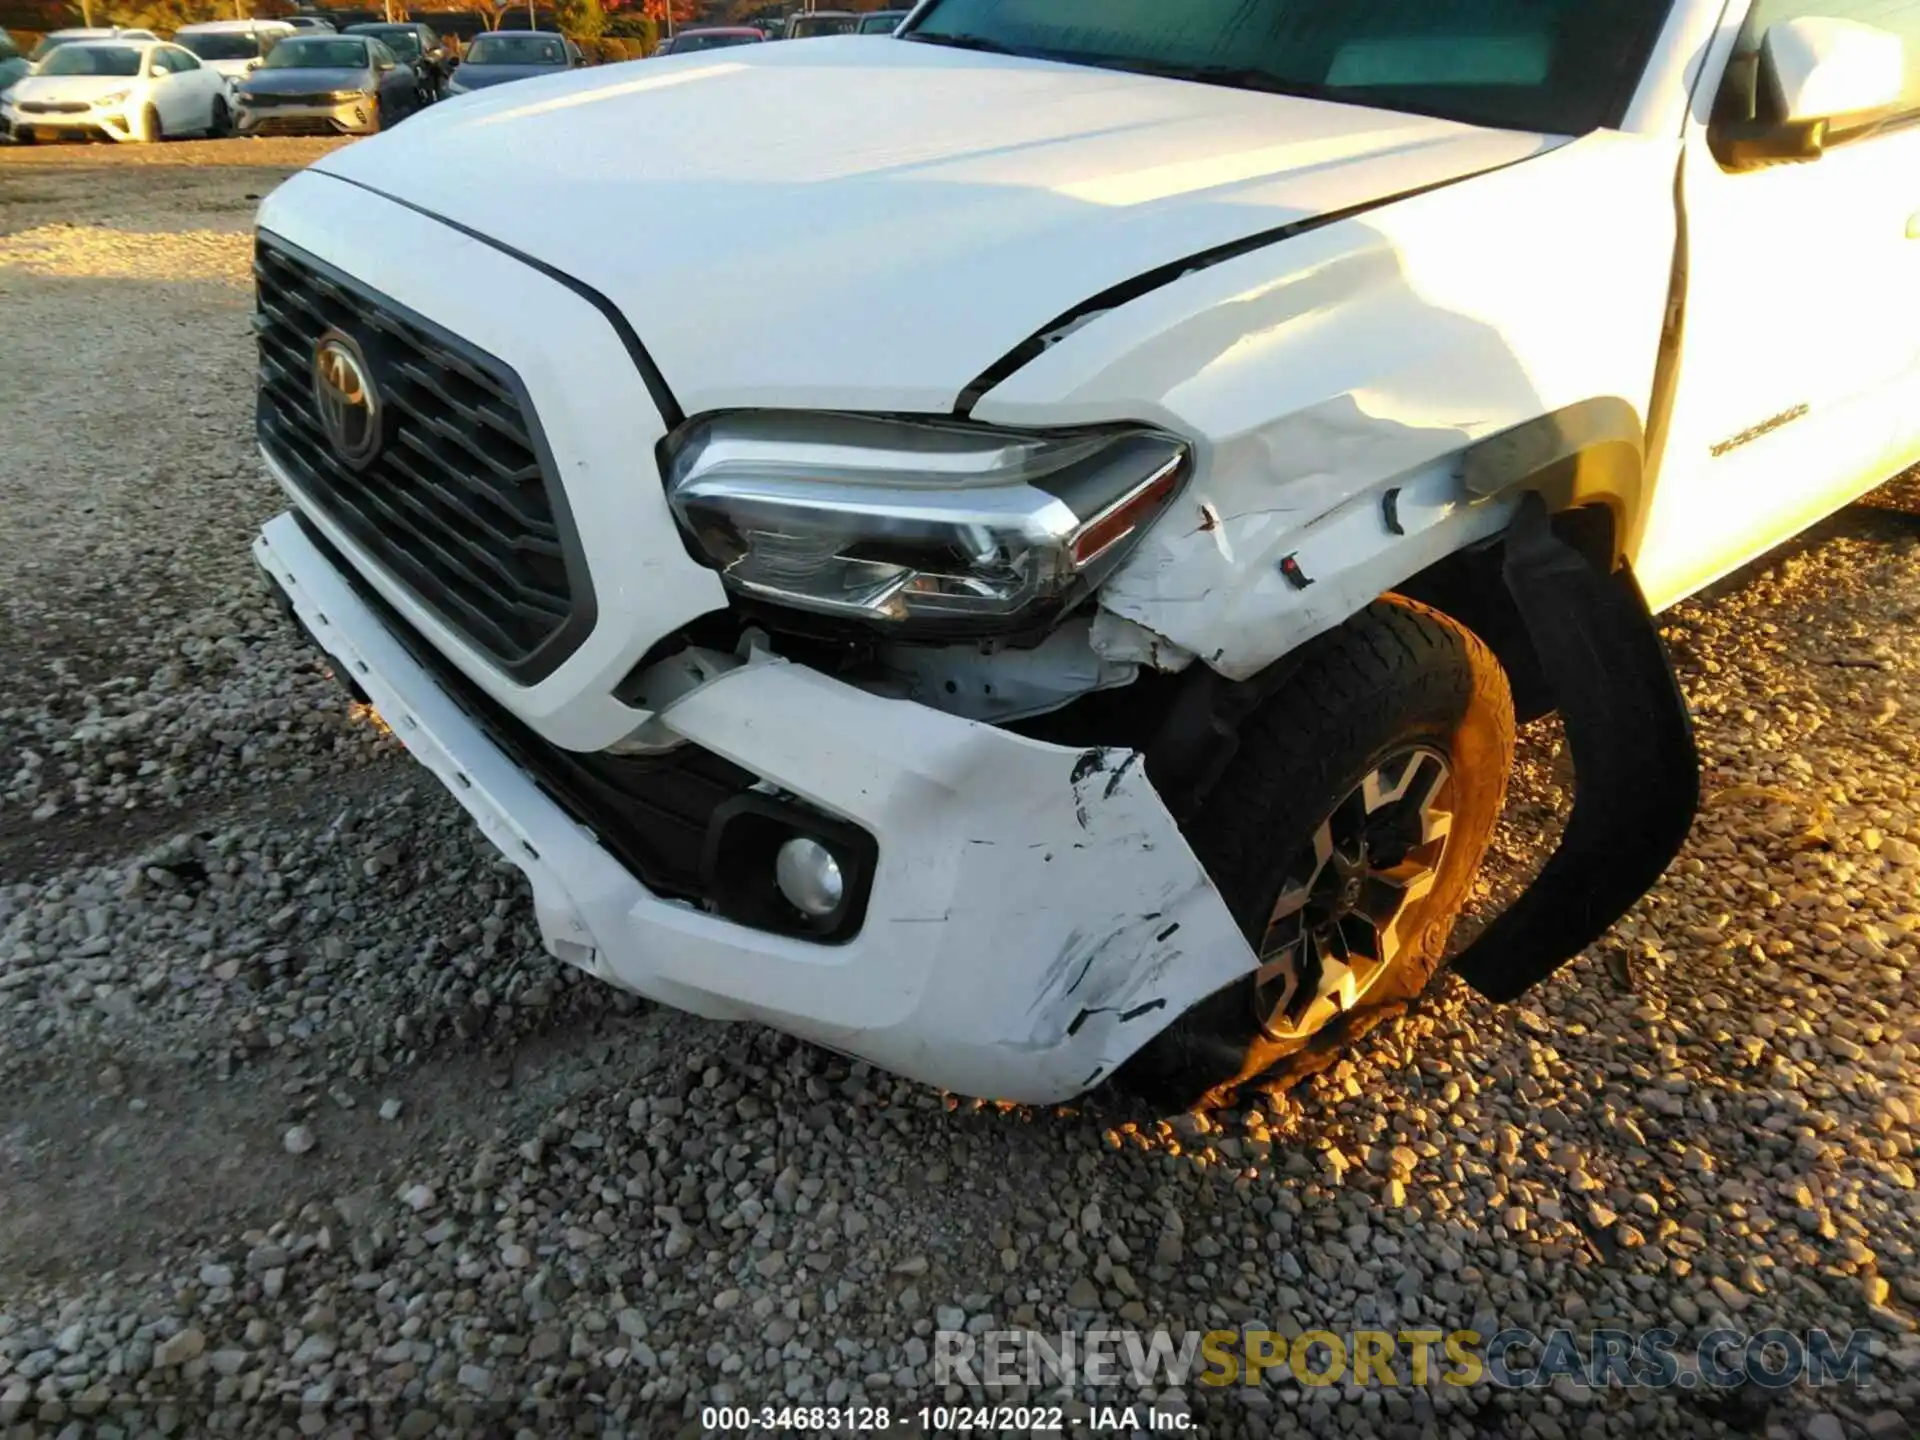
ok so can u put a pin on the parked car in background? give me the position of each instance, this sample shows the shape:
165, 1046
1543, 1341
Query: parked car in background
504, 55
54, 39
822, 22
416, 45
233, 47
12, 63
327, 85
882, 22
714, 37
312, 23
120, 90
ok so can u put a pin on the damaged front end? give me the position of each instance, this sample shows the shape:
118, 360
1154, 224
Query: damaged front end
943, 609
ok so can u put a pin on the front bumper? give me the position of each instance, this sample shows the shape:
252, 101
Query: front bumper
111, 124
359, 116
1035, 918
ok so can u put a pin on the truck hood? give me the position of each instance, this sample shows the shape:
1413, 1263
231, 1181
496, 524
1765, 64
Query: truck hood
872, 224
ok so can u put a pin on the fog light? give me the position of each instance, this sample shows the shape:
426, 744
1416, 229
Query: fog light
809, 877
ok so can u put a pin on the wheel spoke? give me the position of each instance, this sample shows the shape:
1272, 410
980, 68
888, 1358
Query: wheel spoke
1360, 940
1338, 983
1283, 965
1335, 925
1291, 902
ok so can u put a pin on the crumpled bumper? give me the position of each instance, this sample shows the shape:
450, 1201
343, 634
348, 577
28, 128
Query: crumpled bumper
1036, 915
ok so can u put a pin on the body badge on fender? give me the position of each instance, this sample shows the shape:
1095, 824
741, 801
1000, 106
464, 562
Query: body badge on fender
345, 400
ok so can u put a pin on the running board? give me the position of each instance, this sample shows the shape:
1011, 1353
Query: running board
1636, 769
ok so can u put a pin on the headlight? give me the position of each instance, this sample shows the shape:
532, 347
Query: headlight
341, 97
112, 97
936, 525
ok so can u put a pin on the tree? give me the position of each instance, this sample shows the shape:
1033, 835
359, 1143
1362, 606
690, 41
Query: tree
161, 16
678, 12
642, 32
581, 19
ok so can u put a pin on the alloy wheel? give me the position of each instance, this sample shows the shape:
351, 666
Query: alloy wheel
1343, 912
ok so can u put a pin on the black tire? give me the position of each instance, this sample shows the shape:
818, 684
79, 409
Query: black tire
220, 121
25, 135
151, 130
1397, 680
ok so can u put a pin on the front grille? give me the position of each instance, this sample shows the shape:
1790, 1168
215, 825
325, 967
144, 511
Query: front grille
261, 102
650, 812
459, 503
293, 125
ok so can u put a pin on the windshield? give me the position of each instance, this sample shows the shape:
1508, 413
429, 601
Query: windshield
49, 43
1560, 66
218, 45
404, 43
802, 26
687, 44
317, 54
92, 60
516, 50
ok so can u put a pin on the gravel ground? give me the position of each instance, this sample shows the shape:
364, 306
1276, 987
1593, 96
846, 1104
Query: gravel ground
300, 1131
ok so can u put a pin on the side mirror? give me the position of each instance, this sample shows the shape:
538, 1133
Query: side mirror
1814, 73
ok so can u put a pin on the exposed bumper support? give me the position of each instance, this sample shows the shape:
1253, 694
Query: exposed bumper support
1036, 915
1637, 771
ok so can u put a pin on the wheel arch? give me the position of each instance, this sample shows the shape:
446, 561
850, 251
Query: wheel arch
1587, 463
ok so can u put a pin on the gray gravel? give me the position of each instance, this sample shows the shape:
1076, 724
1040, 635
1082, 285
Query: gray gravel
301, 1132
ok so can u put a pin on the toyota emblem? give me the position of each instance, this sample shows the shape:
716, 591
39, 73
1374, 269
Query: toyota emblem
345, 400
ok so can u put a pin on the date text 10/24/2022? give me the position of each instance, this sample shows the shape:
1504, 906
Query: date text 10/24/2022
938, 1419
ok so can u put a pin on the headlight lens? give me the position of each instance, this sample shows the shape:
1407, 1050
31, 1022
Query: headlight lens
112, 97
934, 525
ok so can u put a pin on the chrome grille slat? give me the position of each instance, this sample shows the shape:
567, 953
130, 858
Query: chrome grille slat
457, 505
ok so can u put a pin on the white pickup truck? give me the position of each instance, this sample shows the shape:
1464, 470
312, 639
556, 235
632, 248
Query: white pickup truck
1066, 617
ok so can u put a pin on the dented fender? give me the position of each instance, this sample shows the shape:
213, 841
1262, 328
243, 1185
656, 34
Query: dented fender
1336, 388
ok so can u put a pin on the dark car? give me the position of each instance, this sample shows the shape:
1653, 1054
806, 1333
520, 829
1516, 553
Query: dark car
503, 55
323, 84
416, 45
822, 22
715, 37
882, 22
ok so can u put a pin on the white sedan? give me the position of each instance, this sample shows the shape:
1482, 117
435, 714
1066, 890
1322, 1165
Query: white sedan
122, 89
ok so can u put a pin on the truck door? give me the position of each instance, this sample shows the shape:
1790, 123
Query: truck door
1798, 386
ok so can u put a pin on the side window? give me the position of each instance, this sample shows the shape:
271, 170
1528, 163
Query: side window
183, 60
379, 53
1740, 98
160, 63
